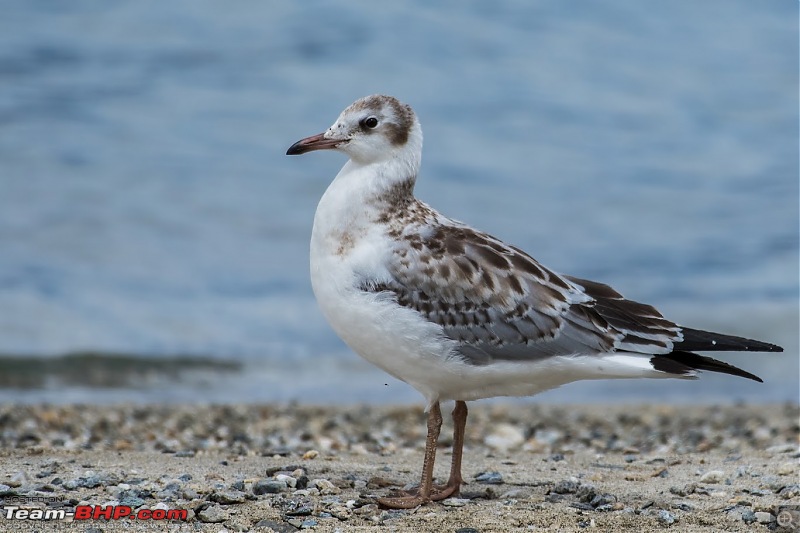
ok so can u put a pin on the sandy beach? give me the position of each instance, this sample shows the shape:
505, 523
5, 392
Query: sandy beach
287, 468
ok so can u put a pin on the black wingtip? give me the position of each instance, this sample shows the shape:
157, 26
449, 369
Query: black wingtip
686, 363
708, 341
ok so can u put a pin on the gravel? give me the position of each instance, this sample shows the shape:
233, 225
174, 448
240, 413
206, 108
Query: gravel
286, 468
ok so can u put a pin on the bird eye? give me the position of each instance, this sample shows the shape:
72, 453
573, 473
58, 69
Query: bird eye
370, 122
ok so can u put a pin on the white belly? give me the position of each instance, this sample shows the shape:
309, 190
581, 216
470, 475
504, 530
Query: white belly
412, 349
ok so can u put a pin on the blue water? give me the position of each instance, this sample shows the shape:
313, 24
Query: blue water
147, 207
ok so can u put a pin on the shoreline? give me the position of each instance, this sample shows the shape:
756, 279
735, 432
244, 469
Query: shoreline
291, 467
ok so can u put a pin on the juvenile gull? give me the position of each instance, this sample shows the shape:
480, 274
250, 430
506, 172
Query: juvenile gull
456, 313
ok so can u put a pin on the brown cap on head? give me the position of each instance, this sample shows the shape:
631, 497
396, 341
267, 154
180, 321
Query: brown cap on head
368, 130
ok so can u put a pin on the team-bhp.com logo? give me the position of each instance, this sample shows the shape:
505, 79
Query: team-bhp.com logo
94, 512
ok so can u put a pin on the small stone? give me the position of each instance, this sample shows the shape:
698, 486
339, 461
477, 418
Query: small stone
748, 516
763, 517
566, 486
340, 511
325, 487
236, 525
289, 480
682, 506
277, 527
603, 499
455, 502
17, 480
268, 486
213, 514
490, 478
691, 488
787, 468
184, 453
228, 497
582, 506
665, 517
790, 492
133, 497
308, 523
302, 510
467, 530
367, 510
712, 476
310, 454
781, 448
504, 437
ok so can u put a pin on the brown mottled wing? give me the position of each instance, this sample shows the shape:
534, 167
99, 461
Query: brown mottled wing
500, 304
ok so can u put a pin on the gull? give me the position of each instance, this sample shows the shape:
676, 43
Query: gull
457, 313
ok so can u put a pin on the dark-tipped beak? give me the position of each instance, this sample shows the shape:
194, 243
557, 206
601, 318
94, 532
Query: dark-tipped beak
309, 144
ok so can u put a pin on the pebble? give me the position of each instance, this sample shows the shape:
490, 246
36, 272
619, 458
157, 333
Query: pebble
228, 497
567, 486
683, 506
665, 517
781, 448
289, 480
213, 514
691, 488
489, 478
712, 476
131, 500
339, 511
268, 486
504, 437
790, 492
603, 499
277, 527
467, 530
324, 486
333, 496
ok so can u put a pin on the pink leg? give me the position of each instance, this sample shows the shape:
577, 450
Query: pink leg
423, 494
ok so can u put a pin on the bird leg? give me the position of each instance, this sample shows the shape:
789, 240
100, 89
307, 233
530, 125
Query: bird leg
454, 482
427, 491
423, 493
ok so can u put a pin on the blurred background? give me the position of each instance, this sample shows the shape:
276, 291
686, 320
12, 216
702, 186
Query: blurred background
154, 236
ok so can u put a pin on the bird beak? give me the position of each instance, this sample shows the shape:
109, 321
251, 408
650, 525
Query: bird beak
309, 144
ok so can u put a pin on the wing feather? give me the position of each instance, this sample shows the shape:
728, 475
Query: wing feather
501, 304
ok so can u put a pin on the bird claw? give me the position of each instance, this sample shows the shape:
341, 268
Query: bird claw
413, 499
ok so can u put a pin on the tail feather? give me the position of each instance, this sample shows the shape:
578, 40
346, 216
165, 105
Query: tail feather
686, 363
708, 341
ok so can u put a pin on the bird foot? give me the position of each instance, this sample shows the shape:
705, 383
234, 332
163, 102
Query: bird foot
413, 498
